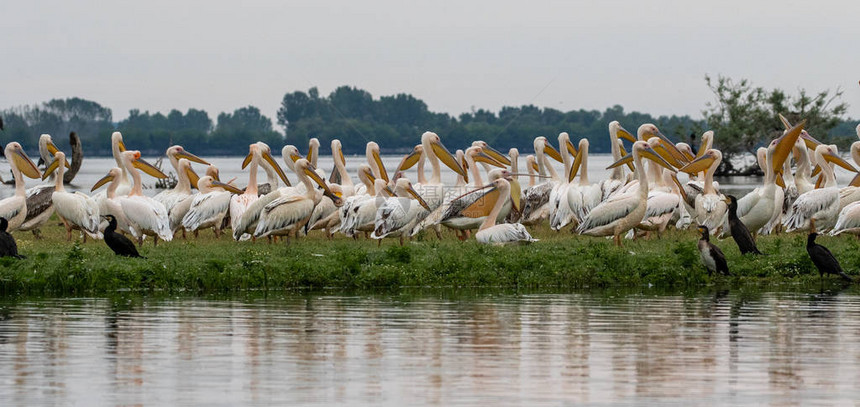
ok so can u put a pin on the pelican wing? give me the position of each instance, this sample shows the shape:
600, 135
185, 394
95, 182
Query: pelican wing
661, 203
146, 216
610, 211
78, 209
535, 198
206, 208
39, 200
849, 219
283, 213
504, 233
807, 205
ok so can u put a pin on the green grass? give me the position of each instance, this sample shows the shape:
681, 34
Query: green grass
559, 260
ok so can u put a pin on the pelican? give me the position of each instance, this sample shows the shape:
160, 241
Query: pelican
170, 197
40, 205
848, 220
616, 180
584, 196
396, 216
531, 165
710, 205
288, 213
818, 208
313, 151
451, 193
536, 207
110, 205
375, 161
761, 206
240, 203
454, 217
661, 206
273, 174
14, 208
326, 215
851, 193
359, 213
76, 210
434, 151
562, 208
209, 208
490, 232
620, 213
145, 215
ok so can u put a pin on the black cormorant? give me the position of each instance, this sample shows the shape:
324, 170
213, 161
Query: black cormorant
712, 256
823, 259
120, 244
8, 247
740, 233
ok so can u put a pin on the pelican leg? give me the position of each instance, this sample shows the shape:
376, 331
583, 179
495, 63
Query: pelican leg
37, 234
183, 234
617, 240
401, 240
68, 229
155, 241
196, 234
140, 240
217, 232
378, 242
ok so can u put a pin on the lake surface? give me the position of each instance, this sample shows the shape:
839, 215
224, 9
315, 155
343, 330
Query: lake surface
455, 347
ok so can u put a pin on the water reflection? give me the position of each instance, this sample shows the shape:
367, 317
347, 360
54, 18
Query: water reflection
438, 348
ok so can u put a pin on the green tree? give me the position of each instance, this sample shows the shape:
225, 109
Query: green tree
744, 117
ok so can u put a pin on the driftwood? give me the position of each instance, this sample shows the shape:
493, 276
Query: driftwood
77, 158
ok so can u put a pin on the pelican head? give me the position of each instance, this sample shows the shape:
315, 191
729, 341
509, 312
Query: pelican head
542, 144
19, 159
132, 158
783, 145
643, 149
303, 166
411, 159
432, 141
616, 129
262, 151
47, 149
290, 154
478, 155
116, 142
492, 152
208, 184
705, 161
404, 189
830, 155
113, 173
177, 152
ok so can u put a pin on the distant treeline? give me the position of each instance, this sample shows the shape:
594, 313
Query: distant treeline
349, 114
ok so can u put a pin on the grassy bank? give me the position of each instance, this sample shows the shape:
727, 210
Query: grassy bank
559, 260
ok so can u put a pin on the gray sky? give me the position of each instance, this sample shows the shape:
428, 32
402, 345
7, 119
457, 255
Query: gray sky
649, 56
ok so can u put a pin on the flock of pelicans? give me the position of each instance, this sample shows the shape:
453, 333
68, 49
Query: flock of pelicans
638, 197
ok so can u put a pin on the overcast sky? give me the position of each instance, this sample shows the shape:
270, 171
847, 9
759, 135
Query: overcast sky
649, 56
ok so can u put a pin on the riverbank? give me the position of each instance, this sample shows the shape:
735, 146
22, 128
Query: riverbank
559, 260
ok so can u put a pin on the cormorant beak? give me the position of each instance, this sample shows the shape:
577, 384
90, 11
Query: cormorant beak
191, 157
104, 180
25, 164
410, 160
447, 158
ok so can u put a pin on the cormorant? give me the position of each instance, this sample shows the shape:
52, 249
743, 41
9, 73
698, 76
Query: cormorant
823, 259
740, 233
120, 244
712, 256
8, 247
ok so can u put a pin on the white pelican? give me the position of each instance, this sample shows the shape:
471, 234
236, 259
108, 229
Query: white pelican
451, 193
359, 214
239, 203
622, 212
761, 206
170, 197
819, 208
590, 195
14, 208
848, 220
454, 217
398, 214
375, 161
75, 210
434, 151
561, 207
536, 207
850, 193
145, 215
326, 215
617, 179
313, 151
209, 207
40, 206
531, 165
490, 232
661, 206
288, 213
710, 205
110, 205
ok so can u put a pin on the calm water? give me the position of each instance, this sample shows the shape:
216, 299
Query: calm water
434, 348
95, 168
